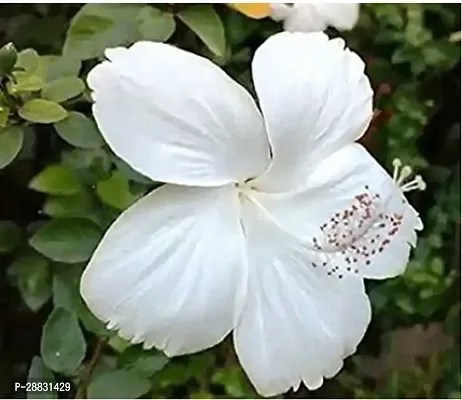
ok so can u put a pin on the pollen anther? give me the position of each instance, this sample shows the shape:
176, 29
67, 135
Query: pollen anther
401, 174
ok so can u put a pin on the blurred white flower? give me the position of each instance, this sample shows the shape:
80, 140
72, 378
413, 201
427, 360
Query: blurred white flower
312, 17
270, 218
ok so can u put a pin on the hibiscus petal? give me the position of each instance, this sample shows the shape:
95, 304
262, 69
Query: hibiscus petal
297, 324
352, 213
169, 266
315, 99
176, 117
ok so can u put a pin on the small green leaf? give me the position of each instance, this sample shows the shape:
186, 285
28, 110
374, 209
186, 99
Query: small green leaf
11, 141
8, 57
115, 192
79, 131
63, 89
118, 384
129, 173
119, 344
66, 288
32, 274
155, 25
42, 111
62, 346
24, 82
67, 240
205, 23
10, 236
56, 179
99, 26
38, 372
28, 61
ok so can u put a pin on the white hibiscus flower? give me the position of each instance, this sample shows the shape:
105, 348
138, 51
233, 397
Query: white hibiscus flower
312, 17
271, 216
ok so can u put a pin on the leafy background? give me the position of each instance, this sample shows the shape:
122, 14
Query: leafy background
60, 187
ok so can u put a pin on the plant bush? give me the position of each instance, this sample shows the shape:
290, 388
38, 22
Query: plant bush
60, 188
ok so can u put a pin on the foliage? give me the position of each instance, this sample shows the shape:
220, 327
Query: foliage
61, 187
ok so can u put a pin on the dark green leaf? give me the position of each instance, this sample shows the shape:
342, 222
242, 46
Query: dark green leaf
62, 346
11, 140
10, 236
99, 26
118, 384
32, 274
63, 89
67, 240
42, 111
154, 24
79, 131
38, 372
56, 179
205, 23
8, 57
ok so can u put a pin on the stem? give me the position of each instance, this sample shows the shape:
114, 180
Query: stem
87, 373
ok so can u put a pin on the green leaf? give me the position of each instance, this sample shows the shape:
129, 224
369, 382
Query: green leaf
79, 131
63, 89
56, 179
8, 57
99, 26
4, 116
56, 67
154, 24
118, 384
62, 346
38, 372
42, 111
146, 362
28, 61
67, 240
79, 205
32, 275
115, 192
205, 23
11, 141
66, 294
10, 236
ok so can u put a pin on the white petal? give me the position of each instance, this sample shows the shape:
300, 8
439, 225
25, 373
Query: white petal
313, 17
342, 16
168, 272
176, 117
304, 17
297, 324
315, 99
352, 213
